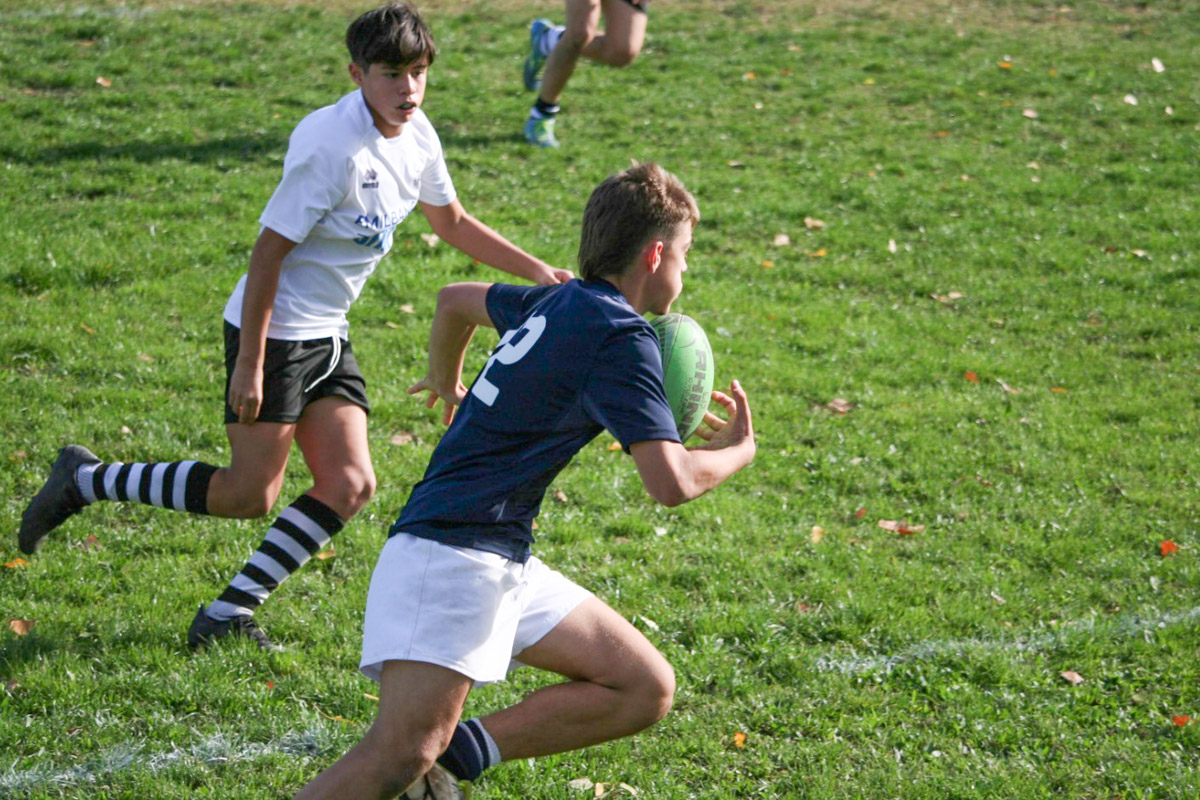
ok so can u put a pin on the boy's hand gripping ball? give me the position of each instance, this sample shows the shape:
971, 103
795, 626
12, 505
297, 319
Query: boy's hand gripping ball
688, 369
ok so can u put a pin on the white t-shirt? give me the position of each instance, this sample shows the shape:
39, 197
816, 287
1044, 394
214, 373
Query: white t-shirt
345, 188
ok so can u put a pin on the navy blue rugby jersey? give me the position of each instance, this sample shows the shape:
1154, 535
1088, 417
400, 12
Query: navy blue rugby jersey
573, 359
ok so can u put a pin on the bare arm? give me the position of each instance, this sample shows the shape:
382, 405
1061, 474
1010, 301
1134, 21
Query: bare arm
674, 474
258, 297
453, 224
461, 307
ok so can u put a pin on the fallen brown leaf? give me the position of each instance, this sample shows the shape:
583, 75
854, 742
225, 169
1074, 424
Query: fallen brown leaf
839, 405
1072, 677
21, 627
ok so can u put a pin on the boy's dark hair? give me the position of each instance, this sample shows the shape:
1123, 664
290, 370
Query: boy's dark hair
626, 212
390, 34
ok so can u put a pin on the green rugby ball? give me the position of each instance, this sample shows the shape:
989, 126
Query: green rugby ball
688, 369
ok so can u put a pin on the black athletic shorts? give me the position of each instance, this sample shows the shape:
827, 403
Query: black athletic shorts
298, 373
641, 5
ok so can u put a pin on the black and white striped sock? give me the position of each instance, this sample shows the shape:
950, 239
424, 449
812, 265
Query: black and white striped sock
300, 532
178, 485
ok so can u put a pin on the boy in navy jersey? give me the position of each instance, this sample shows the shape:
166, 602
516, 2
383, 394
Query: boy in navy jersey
353, 171
457, 597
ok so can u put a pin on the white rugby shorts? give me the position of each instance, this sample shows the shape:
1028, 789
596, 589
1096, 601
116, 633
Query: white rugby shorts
459, 608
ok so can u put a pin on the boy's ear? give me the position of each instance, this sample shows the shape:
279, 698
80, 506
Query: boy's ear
356, 73
652, 255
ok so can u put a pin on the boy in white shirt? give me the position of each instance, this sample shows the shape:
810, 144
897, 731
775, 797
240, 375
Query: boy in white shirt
353, 171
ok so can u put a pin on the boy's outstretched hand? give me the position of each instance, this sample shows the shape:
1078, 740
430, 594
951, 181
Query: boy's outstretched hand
452, 399
718, 433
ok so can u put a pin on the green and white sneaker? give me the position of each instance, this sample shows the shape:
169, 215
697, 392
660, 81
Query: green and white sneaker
540, 132
535, 60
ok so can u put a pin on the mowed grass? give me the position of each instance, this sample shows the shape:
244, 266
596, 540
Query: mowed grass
991, 256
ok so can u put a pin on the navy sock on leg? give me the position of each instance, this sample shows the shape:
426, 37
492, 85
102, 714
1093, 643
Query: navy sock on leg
471, 751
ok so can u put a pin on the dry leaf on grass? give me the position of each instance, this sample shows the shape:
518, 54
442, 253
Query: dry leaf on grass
430, 239
325, 555
818, 533
839, 405
1167, 547
560, 496
739, 740
814, 224
105, 82
402, 438
1072, 677
901, 527
781, 240
17, 563
21, 627
971, 377
1029, 113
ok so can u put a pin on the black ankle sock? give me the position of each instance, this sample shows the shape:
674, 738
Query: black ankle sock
546, 109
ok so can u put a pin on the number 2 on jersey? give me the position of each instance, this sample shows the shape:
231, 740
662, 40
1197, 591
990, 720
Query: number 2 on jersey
513, 346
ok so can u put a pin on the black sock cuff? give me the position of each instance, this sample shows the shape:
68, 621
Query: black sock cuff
464, 758
195, 494
547, 109
319, 513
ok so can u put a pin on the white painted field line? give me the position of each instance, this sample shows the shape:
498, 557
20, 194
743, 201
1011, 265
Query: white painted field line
1122, 626
214, 749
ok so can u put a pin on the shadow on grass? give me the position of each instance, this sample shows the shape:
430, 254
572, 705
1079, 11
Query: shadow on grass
213, 151
37, 645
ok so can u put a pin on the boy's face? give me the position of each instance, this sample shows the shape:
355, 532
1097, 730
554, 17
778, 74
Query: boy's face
393, 92
666, 284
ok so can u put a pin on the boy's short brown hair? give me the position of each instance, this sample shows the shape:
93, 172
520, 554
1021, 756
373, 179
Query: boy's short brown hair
626, 212
391, 34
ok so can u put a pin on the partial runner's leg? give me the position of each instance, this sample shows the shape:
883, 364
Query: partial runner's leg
419, 705
618, 685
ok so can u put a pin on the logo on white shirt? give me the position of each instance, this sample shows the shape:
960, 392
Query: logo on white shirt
372, 180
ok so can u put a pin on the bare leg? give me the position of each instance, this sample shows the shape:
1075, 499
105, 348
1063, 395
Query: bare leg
249, 485
619, 684
332, 434
419, 706
617, 46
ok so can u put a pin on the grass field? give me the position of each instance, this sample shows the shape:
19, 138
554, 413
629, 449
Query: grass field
990, 258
